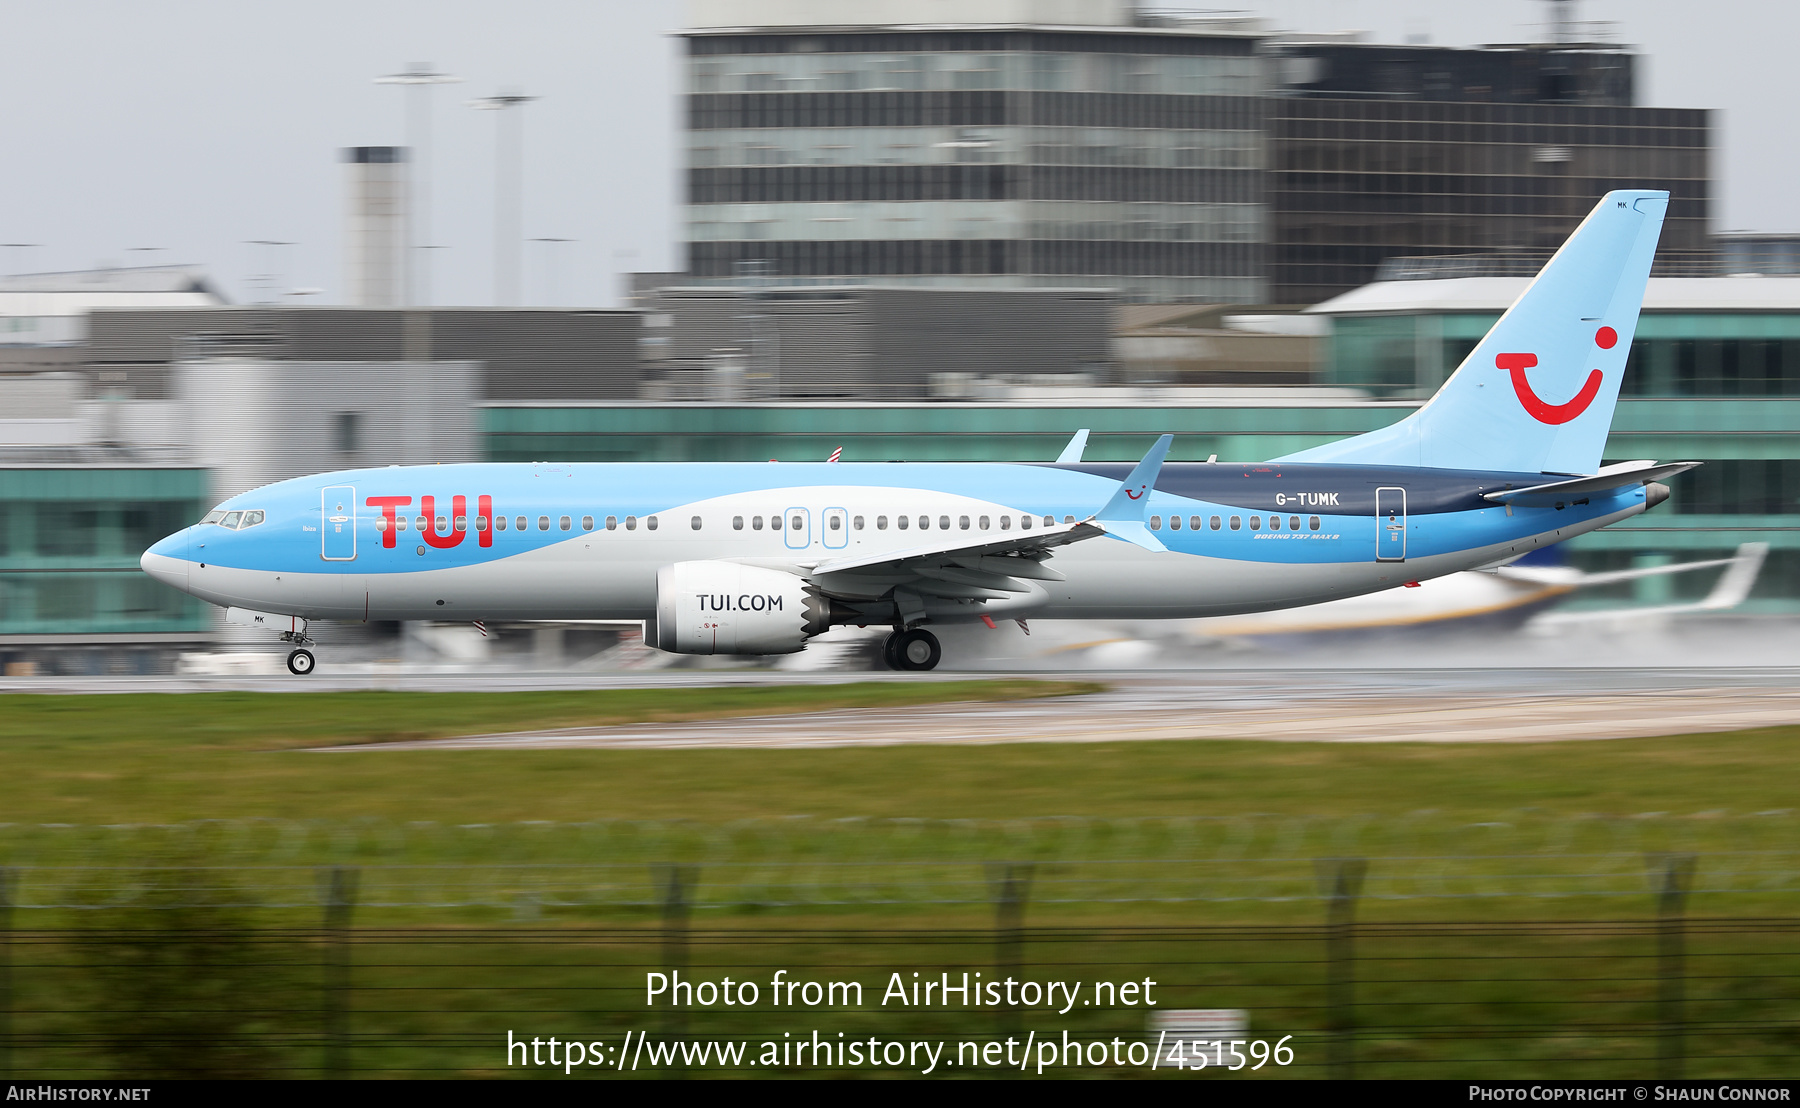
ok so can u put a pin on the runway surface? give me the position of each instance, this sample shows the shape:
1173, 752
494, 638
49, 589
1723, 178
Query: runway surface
1287, 706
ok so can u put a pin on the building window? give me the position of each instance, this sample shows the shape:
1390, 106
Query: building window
347, 432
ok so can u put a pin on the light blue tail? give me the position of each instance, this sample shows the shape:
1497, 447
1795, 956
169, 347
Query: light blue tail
1537, 394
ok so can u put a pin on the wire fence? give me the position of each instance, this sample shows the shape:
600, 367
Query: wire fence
1751, 862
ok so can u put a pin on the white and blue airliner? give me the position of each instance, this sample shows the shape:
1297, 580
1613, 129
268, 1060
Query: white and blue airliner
740, 558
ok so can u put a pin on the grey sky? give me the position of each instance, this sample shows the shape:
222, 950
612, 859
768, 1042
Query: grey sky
196, 125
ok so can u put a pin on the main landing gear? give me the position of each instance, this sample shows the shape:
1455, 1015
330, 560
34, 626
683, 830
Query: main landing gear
916, 649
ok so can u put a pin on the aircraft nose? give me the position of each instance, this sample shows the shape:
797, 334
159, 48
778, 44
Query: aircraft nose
167, 561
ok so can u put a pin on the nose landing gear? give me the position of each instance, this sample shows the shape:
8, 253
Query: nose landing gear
916, 649
300, 661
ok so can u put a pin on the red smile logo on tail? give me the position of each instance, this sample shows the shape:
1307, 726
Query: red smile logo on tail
1542, 410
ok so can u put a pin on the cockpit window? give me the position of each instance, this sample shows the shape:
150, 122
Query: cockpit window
231, 520
213, 516
251, 519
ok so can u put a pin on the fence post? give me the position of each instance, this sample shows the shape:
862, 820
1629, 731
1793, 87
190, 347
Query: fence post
340, 897
7, 877
1676, 878
1011, 885
676, 884
1341, 879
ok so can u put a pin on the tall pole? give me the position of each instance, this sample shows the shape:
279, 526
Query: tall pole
418, 79
508, 190
552, 267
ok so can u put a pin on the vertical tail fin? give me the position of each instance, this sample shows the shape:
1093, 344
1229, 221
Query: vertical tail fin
1537, 394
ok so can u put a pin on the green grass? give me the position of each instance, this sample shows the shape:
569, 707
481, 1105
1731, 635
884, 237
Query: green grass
857, 862
170, 758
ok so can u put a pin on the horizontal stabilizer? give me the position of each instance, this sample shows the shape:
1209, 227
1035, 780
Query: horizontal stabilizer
1732, 589
1622, 475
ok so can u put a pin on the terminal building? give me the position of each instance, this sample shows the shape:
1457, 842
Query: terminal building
1096, 144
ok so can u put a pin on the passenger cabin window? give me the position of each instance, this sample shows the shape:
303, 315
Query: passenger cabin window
587, 523
1274, 523
1213, 523
1005, 523
984, 522
694, 523
1174, 523
796, 523
543, 523
1155, 523
836, 523
755, 523
1255, 523
480, 523
519, 524
1068, 519
1024, 523
737, 523
1312, 524
1050, 521
1237, 523
880, 523
1293, 523
462, 523
924, 523
902, 522
499, 523
612, 523
944, 523
962, 522
650, 522
564, 523
630, 523
857, 523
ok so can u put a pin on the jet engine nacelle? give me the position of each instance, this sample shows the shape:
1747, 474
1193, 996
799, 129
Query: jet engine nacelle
726, 608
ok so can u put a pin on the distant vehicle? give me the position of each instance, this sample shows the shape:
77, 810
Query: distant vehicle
757, 559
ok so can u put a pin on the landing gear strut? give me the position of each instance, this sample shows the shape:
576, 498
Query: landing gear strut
916, 649
300, 661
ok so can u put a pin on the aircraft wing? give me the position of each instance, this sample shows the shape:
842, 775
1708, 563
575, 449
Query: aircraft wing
1732, 588
993, 567
1618, 476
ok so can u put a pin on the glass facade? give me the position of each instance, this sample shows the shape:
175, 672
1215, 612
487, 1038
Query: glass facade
70, 539
1033, 158
1356, 181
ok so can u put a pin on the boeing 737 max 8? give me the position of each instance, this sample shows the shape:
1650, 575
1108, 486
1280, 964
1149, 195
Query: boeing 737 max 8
757, 558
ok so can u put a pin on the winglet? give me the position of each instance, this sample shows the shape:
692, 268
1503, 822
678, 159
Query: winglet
1124, 515
1071, 453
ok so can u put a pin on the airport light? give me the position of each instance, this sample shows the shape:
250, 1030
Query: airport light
508, 189
550, 267
418, 79
268, 279
21, 246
